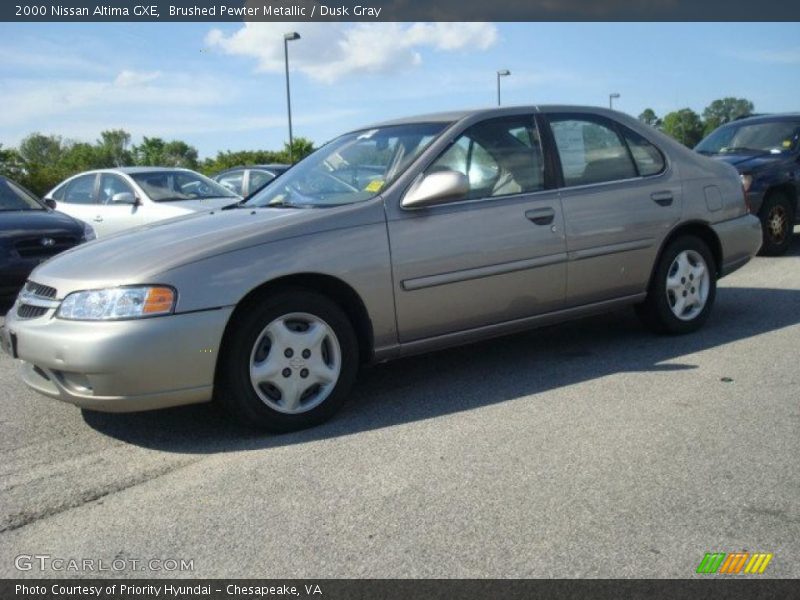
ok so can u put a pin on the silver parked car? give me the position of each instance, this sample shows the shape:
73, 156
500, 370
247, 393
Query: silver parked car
400, 238
126, 197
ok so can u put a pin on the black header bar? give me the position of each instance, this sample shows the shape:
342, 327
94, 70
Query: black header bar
399, 10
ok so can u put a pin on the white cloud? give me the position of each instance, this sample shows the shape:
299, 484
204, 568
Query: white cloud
330, 51
128, 78
785, 56
28, 101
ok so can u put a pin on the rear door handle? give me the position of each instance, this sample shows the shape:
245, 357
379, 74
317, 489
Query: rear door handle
98, 219
540, 216
662, 198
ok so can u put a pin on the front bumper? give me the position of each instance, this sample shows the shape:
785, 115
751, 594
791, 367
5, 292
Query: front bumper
119, 366
740, 240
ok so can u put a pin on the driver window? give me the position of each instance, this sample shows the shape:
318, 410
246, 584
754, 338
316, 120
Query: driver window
111, 185
499, 157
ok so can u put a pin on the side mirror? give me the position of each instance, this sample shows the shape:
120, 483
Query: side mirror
124, 198
436, 188
50, 203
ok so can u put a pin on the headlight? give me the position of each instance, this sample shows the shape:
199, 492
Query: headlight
88, 233
747, 181
118, 303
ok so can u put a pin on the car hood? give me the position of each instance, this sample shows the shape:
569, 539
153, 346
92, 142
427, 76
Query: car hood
37, 222
140, 255
750, 162
198, 205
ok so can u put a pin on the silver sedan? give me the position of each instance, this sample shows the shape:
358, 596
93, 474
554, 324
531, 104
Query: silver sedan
399, 238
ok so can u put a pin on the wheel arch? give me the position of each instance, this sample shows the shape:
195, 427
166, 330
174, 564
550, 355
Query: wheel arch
699, 229
335, 289
786, 188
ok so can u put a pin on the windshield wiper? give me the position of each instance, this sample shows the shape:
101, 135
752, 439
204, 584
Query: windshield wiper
744, 150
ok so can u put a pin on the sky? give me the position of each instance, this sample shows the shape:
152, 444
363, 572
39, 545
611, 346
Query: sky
221, 86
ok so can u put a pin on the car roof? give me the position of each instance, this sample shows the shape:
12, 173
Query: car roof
135, 170
458, 115
272, 166
766, 118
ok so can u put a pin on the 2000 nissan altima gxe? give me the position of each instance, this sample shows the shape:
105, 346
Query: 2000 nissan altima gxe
403, 237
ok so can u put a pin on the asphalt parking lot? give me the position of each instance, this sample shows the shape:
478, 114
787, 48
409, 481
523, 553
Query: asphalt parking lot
592, 449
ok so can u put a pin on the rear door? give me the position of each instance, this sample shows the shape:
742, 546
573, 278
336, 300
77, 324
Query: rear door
493, 256
619, 197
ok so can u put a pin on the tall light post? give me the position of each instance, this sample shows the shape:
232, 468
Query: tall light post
611, 98
501, 73
289, 37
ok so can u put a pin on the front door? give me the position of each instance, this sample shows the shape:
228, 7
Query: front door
497, 254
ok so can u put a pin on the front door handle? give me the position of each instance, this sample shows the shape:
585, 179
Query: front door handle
662, 198
98, 219
540, 216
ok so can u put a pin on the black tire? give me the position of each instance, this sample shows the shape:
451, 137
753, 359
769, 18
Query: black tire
777, 208
656, 311
233, 388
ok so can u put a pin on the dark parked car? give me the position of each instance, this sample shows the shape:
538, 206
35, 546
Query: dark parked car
246, 180
766, 152
30, 233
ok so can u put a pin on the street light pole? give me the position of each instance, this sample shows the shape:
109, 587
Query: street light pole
611, 100
288, 37
501, 73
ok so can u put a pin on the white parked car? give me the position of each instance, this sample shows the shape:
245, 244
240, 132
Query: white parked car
115, 199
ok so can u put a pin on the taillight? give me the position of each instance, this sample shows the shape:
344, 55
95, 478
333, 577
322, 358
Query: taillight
746, 199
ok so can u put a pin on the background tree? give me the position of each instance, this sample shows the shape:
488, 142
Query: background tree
301, 147
685, 126
113, 148
41, 157
724, 111
649, 117
11, 163
179, 154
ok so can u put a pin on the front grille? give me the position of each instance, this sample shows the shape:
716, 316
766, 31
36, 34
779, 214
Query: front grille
38, 289
26, 311
35, 300
44, 246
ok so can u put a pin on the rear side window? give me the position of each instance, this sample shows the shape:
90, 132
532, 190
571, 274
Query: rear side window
590, 150
500, 157
648, 158
259, 179
233, 180
80, 190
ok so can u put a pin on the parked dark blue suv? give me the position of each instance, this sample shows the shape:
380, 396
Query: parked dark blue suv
766, 151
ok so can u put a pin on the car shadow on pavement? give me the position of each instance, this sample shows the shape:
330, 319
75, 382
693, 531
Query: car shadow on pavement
478, 375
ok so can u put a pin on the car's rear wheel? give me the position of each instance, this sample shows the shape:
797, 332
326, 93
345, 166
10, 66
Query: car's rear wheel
777, 224
288, 361
683, 288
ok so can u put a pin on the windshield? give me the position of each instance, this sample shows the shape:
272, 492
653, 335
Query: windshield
13, 197
172, 186
774, 137
351, 168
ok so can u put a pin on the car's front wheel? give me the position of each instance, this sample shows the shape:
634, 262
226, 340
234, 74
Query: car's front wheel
683, 288
288, 361
777, 224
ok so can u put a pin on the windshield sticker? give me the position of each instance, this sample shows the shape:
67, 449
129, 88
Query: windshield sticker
374, 186
787, 143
